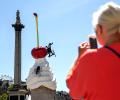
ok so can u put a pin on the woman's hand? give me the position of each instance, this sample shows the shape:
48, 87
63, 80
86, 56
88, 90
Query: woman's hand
83, 47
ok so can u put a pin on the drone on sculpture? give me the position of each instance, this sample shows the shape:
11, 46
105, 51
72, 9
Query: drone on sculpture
39, 51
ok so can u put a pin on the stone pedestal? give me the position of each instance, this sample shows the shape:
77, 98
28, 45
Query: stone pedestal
17, 95
42, 93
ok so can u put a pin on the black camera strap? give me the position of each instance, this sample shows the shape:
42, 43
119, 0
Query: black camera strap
113, 51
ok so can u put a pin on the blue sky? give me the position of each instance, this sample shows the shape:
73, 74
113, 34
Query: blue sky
66, 23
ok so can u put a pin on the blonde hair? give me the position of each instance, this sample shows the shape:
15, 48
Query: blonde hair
108, 15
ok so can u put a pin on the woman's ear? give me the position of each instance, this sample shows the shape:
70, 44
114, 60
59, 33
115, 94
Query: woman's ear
99, 29
100, 34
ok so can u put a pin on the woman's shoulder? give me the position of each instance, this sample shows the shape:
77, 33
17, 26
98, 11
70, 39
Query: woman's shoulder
89, 52
93, 53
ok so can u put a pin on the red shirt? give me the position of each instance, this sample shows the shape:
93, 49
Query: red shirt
96, 75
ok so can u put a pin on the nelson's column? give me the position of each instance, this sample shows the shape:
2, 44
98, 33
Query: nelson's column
17, 59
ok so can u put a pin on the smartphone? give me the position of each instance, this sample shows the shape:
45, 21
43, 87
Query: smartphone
93, 42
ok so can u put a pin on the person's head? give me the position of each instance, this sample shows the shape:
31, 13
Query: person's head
106, 22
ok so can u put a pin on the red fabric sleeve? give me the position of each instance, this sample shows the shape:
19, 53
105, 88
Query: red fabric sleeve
76, 81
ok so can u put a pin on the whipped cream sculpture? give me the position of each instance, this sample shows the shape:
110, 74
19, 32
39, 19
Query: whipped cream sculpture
40, 74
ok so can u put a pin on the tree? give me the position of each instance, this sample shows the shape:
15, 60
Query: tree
4, 96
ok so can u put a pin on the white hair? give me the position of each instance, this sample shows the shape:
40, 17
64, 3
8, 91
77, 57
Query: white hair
108, 15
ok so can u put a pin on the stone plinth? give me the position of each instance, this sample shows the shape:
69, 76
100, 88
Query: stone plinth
42, 93
17, 95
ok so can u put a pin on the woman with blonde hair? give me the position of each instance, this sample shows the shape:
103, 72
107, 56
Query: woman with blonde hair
96, 73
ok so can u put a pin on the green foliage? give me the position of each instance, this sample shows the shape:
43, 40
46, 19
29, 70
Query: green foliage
10, 87
4, 96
